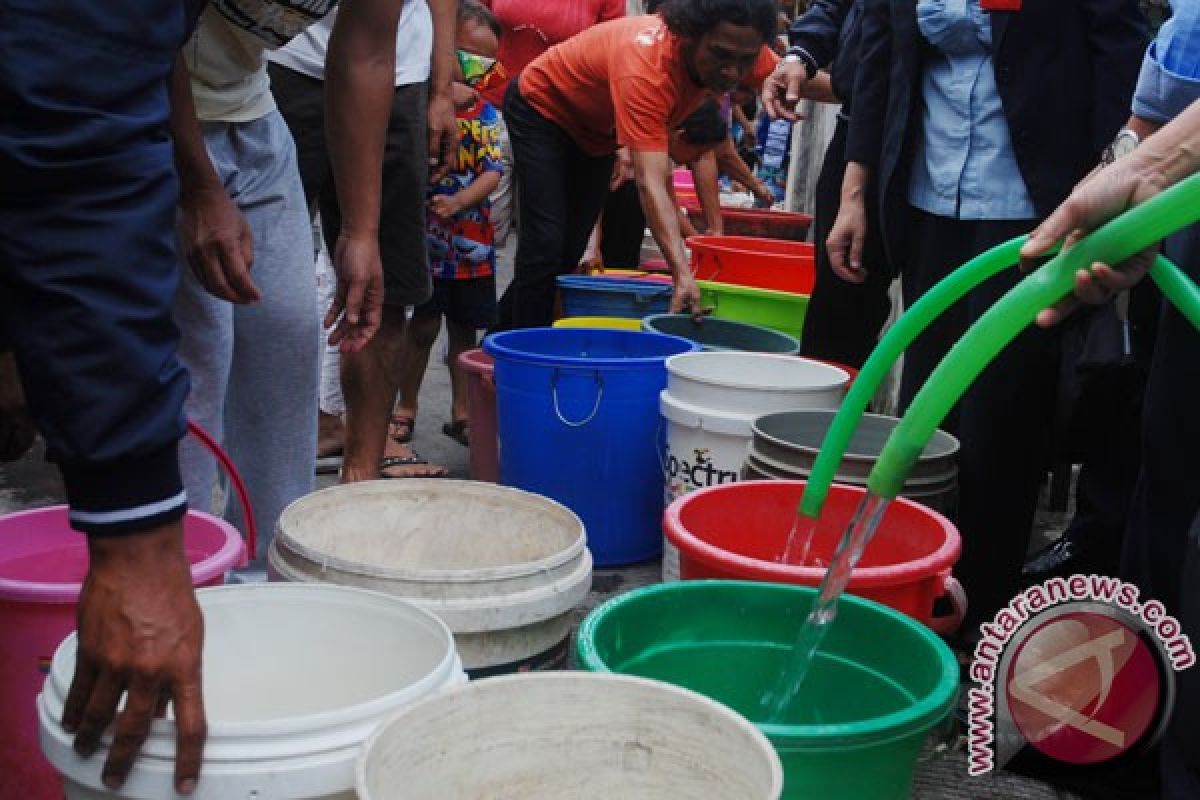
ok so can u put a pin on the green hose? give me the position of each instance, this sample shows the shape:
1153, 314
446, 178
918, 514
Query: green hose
910, 325
1116, 241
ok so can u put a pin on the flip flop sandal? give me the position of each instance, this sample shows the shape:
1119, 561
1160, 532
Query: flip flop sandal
459, 431
405, 424
404, 461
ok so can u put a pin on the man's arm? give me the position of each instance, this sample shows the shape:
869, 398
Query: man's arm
214, 236
707, 177
443, 130
360, 71
732, 165
813, 37
652, 170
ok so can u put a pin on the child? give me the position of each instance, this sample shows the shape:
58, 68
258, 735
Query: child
459, 232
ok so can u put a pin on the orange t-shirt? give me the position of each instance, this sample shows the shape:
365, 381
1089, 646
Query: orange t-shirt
621, 83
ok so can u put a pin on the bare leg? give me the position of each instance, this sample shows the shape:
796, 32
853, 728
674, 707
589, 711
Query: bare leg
461, 338
370, 379
418, 341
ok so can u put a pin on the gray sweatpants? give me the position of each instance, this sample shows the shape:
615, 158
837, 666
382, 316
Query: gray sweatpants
254, 368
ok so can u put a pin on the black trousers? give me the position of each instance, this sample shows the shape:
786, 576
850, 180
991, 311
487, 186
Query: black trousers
843, 319
560, 191
1003, 421
622, 227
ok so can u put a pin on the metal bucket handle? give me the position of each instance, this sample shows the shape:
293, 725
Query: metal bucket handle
595, 407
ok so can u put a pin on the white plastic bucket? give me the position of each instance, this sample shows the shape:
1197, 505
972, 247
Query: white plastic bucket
501, 567
709, 408
754, 383
583, 736
295, 680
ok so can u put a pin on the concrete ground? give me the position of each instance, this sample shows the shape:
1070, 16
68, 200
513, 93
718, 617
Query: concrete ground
942, 773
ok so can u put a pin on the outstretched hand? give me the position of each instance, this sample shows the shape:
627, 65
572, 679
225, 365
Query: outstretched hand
1103, 195
217, 244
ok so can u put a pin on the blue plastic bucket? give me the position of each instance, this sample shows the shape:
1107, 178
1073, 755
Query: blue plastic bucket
577, 412
585, 296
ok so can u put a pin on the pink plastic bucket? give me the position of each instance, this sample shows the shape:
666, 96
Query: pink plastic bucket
481, 404
42, 565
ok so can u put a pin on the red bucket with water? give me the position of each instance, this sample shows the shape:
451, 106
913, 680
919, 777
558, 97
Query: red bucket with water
761, 263
738, 530
481, 405
760, 222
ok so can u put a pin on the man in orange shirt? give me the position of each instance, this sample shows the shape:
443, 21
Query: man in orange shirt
626, 85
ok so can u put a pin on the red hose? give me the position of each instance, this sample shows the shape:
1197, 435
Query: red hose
235, 479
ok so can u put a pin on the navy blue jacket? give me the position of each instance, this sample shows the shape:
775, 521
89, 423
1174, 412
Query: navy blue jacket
1066, 71
829, 30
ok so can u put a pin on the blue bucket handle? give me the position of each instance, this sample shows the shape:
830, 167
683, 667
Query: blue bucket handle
646, 298
595, 408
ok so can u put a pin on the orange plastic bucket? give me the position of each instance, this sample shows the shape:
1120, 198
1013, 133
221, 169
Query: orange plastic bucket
747, 261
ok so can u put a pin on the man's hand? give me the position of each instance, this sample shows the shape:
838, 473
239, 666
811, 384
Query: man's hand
217, 244
463, 96
445, 205
845, 242
357, 307
1104, 194
622, 170
762, 194
16, 426
686, 297
781, 91
140, 633
443, 135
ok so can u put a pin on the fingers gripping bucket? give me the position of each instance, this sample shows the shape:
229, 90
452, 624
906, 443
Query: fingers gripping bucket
879, 684
740, 530
568, 736
504, 569
578, 418
295, 680
709, 408
43, 562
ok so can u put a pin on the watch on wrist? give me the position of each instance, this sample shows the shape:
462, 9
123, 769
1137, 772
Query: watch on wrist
1122, 145
798, 55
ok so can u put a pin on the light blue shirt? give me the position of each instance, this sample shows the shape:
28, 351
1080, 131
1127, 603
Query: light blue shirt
1170, 77
965, 167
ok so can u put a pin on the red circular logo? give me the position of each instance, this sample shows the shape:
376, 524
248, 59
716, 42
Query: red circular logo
1083, 688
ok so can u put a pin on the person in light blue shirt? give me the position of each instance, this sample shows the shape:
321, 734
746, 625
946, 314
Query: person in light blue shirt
965, 167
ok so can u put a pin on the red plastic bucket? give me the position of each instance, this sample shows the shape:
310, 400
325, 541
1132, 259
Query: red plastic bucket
481, 405
760, 222
748, 261
737, 530
42, 565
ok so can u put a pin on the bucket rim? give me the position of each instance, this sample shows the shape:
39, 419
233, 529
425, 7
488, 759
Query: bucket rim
953, 445
501, 684
784, 339
923, 713
676, 365
712, 420
551, 562
476, 361
496, 345
160, 744
941, 559
747, 245
227, 556
754, 291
